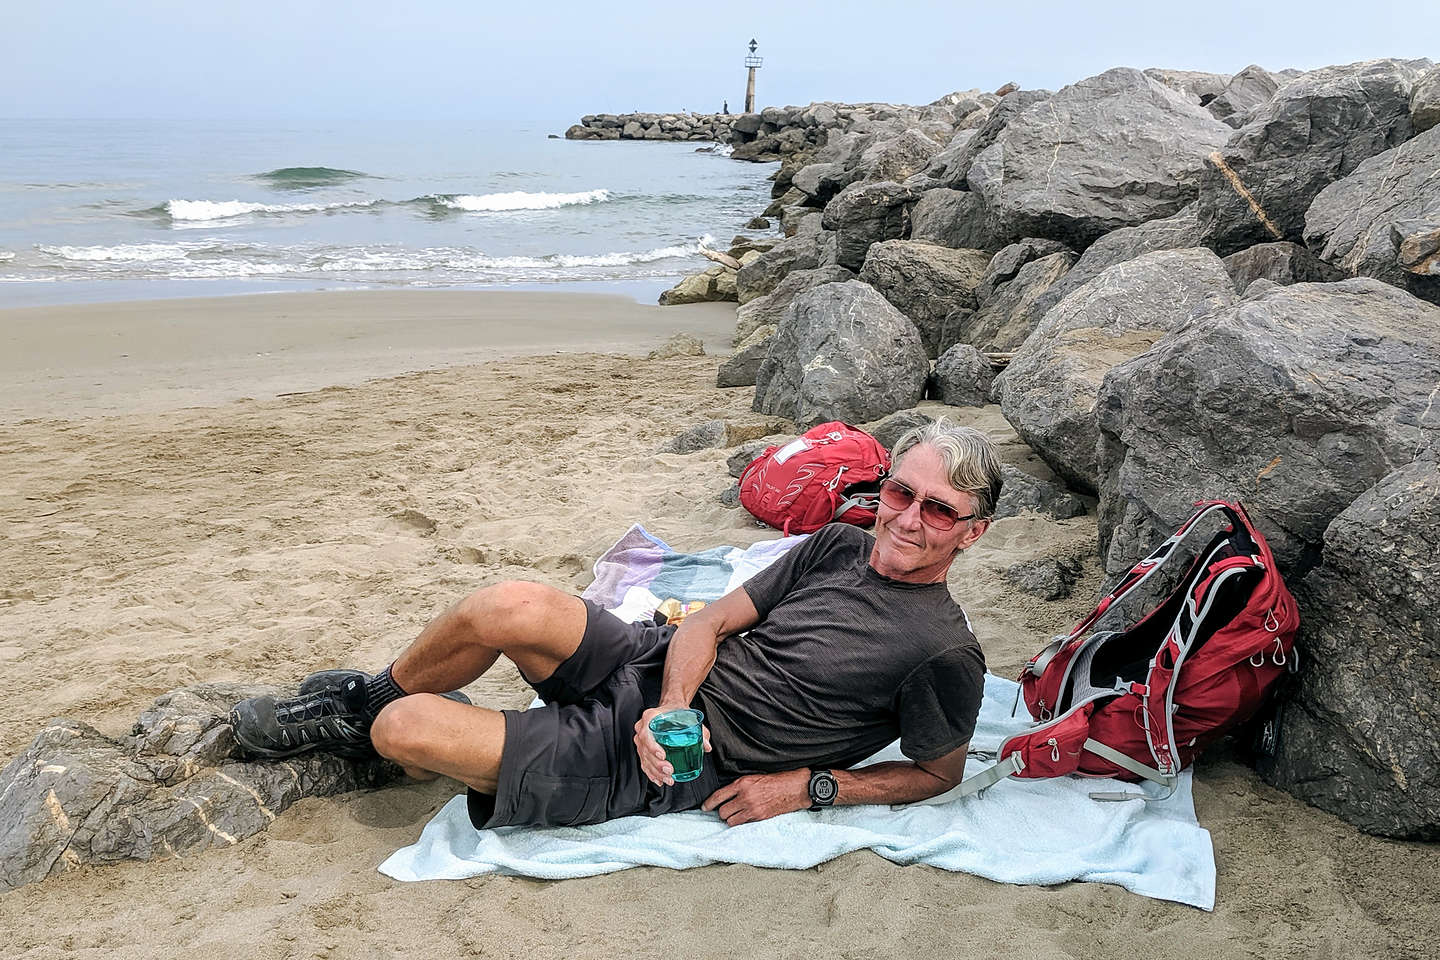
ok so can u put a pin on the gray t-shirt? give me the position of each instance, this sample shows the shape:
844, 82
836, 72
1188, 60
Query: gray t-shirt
842, 662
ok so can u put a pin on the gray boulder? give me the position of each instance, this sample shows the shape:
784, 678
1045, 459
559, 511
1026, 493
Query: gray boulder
1246, 92
1425, 101
925, 282
75, 797
957, 170
866, 213
1049, 578
797, 220
944, 166
741, 367
842, 353
1295, 400
770, 309
1315, 130
821, 181
903, 157
892, 428
678, 345
763, 274
703, 436
1009, 315
1281, 262
736, 463
1024, 492
1048, 391
1358, 738
1009, 259
950, 218
1111, 151
696, 288
963, 377
1120, 246
790, 197
1359, 224
1197, 87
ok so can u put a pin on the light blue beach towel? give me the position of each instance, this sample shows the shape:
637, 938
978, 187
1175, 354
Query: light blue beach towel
1037, 831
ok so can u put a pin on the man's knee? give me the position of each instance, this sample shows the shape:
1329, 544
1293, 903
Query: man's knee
404, 728
511, 609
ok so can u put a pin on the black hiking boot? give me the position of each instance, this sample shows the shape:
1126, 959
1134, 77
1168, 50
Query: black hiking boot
331, 718
329, 714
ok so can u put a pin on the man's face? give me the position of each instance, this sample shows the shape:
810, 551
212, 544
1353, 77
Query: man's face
909, 549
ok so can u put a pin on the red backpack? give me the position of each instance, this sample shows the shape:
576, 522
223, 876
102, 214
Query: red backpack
832, 472
1141, 703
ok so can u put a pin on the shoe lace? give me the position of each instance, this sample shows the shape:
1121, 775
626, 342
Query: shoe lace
317, 707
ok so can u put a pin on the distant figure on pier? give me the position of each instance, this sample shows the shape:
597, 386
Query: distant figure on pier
726, 108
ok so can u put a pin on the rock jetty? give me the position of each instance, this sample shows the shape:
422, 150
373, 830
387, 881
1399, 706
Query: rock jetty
654, 126
1193, 286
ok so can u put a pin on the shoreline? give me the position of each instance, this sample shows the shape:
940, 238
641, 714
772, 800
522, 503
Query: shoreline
131, 356
23, 294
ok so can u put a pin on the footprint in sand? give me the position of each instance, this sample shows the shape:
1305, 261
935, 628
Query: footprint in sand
415, 522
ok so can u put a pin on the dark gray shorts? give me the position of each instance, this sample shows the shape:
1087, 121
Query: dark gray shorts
573, 761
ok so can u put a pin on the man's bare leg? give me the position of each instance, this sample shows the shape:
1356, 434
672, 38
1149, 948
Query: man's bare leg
536, 626
429, 735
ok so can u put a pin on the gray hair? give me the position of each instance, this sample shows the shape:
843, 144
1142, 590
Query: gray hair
970, 459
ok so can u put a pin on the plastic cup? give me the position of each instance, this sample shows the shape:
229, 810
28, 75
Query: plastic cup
679, 733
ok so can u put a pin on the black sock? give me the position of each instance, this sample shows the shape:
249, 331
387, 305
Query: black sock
380, 691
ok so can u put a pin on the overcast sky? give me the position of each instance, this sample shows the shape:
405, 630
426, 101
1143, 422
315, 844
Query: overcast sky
549, 62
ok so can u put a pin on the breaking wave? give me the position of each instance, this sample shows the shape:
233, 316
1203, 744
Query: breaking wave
193, 210
127, 252
518, 200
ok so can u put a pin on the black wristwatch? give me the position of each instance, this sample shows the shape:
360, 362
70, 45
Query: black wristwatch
823, 789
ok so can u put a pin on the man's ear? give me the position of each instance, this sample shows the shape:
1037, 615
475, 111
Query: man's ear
976, 531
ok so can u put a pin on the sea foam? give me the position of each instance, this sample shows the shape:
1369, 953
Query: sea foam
518, 200
130, 252
224, 209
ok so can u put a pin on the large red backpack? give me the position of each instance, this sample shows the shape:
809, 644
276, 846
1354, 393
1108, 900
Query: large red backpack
1141, 703
832, 472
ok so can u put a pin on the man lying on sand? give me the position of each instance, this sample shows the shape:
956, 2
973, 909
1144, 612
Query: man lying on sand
852, 641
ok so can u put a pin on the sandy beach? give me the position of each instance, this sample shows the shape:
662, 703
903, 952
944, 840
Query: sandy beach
251, 488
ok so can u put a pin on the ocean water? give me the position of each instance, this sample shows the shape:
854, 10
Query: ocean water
125, 209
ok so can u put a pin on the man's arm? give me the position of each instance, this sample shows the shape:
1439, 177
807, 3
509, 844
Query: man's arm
764, 795
688, 660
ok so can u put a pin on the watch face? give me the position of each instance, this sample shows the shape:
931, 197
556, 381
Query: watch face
822, 789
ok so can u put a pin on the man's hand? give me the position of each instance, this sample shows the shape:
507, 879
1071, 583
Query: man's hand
761, 796
652, 755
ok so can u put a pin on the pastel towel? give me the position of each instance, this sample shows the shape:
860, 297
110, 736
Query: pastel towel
641, 570
1040, 831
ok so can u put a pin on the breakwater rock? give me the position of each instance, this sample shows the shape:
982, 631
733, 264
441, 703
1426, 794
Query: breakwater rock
654, 126
1198, 286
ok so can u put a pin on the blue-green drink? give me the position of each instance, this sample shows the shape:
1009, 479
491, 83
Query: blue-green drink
679, 733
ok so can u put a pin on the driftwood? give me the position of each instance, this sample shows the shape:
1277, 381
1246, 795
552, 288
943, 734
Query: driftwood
999, 361
722, 258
